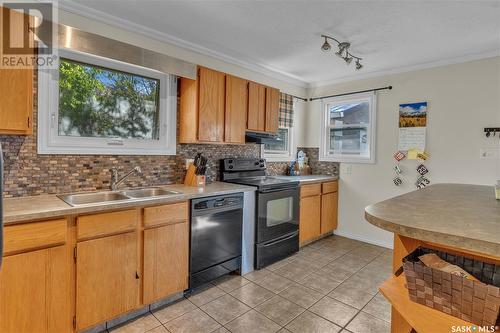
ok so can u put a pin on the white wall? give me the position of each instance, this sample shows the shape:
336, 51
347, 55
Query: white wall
463, 99
126, 36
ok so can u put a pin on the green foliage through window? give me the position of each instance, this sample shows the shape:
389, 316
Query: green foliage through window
105, 103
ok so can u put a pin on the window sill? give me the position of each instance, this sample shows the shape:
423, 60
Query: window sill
270, 158
338, 159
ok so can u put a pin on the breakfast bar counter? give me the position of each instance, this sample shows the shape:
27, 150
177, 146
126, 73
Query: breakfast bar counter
455, 218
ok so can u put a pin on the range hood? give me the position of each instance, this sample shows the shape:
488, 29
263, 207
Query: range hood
261, 138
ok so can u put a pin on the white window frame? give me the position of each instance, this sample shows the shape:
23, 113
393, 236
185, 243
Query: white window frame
50, 142
324, 154
281, 155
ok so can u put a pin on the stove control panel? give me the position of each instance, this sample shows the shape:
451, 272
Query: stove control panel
243, 164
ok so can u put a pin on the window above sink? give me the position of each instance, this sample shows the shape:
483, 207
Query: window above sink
95, 105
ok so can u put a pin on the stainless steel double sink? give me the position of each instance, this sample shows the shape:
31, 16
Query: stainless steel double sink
79, 199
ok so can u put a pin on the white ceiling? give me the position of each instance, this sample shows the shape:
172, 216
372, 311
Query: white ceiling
284, 36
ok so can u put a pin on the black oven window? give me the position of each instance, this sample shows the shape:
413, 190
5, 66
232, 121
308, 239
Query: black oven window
279, 211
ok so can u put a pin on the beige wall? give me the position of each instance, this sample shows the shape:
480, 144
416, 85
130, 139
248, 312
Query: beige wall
463, 99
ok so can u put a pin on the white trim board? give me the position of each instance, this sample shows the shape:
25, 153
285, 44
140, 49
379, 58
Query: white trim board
248, 63
404, 69
364, 239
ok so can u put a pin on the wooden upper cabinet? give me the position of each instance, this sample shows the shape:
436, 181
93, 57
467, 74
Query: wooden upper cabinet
107, 278
219, 108
256, 119
236, 109
16, 97
272, 109
202, 107
211, 105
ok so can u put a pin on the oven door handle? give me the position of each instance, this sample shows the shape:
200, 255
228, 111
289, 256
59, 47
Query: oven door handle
277, 190
281, 239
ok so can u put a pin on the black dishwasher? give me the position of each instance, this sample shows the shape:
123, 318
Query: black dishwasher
216, 240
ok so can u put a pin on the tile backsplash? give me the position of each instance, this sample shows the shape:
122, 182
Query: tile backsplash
26, 173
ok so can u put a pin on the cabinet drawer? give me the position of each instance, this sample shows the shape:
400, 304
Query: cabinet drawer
98, 225
37, 235
310, 190
166, 214
330, 187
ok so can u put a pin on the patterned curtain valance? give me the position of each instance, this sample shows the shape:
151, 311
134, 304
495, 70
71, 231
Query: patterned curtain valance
286, 110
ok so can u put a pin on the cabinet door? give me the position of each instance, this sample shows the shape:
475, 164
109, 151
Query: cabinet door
329, 204
272, 109
236, 109
106, 278
256, 118
35, 292
16, 87
310, 218
211, 105
166, 261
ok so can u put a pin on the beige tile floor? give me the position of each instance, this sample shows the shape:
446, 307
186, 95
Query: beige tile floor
329, 286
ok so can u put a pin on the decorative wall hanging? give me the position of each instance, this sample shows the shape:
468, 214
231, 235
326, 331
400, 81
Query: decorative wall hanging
399, 156
343, 51
422, 170
412, 126
492, 130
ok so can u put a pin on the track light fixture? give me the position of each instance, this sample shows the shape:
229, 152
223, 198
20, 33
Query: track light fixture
358, 65
343, 51
326, 46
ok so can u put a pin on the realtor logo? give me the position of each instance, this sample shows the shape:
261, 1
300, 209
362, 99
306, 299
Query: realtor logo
28, 34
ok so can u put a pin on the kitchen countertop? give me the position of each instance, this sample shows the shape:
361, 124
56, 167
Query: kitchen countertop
26, 209
457, 215
309, 179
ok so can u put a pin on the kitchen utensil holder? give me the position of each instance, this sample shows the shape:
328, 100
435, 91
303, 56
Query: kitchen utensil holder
473, 301
192, 179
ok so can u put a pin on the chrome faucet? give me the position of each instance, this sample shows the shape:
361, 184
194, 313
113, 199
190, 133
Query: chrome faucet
115, 181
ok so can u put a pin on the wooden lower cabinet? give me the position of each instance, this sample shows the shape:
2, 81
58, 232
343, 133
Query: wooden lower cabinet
166, 261
107, 279
71, 274
329, 209
310, 218
35, 292
318, 210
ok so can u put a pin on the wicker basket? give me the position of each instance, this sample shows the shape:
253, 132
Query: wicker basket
472, 301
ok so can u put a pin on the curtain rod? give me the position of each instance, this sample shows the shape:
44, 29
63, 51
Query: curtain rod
301, 98
351, 93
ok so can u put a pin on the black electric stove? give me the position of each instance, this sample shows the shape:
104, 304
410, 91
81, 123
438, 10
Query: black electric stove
277, 208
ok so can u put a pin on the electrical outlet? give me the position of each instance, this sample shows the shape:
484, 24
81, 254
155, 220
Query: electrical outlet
348, 169
490, 153
188, 161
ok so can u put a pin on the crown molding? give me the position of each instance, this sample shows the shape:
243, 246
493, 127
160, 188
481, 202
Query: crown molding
88, 12
249, 64
405, 69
